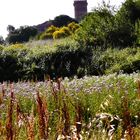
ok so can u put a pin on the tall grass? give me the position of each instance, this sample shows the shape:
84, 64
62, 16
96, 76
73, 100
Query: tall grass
89, 108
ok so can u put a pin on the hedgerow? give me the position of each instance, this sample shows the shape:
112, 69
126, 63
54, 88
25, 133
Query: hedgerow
66, 58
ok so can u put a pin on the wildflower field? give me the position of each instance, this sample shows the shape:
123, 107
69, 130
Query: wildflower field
90, 108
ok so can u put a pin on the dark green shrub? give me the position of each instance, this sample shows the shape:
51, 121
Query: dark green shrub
62, 20
66, 58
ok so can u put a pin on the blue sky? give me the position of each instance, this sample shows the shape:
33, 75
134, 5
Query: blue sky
33, 12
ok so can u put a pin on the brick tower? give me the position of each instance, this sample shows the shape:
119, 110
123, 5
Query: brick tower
80, 8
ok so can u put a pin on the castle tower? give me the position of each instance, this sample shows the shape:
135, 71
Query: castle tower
80, 8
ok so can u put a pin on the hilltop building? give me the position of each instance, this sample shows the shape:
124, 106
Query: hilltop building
80, 9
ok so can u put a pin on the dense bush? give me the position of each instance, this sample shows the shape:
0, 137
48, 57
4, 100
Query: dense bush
20, 62
65, 58
54, 32
95, 28
73, 26
106, 27
61, 33
48, 33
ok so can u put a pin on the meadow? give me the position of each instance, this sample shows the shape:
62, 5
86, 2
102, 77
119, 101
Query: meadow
78, 82
95, 107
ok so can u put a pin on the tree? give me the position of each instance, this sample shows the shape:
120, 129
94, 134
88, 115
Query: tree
127, 22
10, 28
131, 10
95, 27
22, 34
105, 27
62, 20
1, 40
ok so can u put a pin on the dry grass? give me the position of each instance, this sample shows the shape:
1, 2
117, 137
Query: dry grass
9, 120
43, 117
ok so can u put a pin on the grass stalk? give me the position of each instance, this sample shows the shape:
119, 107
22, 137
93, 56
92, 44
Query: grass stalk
9, 120
78, 120
30, 127
128, 131
66, 119
43, 117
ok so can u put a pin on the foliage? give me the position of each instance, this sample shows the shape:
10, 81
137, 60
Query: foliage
87, 54
10, 28
125, 20
62, 20
131, 9
20, 35
64, 58
95, 27
137, 32
61, 33
106, 27
56, 33
73, 26
2, 41
48, 33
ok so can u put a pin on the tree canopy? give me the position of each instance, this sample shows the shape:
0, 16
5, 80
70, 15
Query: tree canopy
106, 27
62, 20
22, 34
